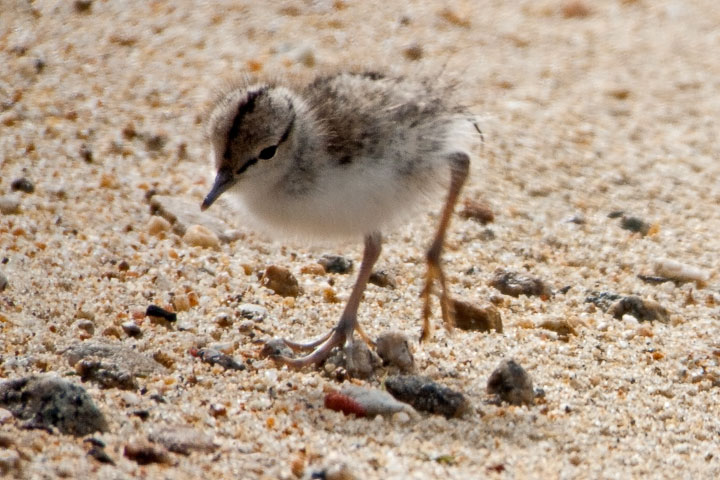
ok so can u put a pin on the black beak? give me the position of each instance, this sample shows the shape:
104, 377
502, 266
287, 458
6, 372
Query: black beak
223, 181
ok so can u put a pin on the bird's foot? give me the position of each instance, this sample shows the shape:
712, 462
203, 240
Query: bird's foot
434, 272
320, 350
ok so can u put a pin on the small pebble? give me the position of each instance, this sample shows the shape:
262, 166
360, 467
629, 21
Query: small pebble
681, 272
182, 213
394, 349
382, 279
360, 362
338, 471
246, 326
642, 309
480, 318
516, 284
86, 153
635, 224
427, 396
212, 357
511, 383
87, 326
336, 264
3, 281
181, 302
23, 185
603, 300
83, 6
653, 279
85, 314
560, 326
157, 225
401, 418
141, 414
159, 312
313, 269
5, 416
183, 440
10, 463
107, 374
276, 347
281, 281
9, 205
99, 454
199, 236
478, 211
131, 329
144, 453
253, 312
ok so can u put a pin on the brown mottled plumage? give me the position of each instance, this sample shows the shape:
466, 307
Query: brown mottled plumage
345, 154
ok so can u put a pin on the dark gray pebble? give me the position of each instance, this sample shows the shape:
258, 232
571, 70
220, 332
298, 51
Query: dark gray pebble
635, 224
159, 312
336, 264
427, 396
99, 454
23, 185
131, 328
654, 279
602, 300
49, 402
212, 356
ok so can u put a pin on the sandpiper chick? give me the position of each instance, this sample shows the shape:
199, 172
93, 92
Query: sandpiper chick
346, 154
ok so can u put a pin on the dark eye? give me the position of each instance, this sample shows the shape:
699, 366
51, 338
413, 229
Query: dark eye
267, 153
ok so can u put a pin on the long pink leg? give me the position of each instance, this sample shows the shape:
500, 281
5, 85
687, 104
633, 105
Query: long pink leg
348, 323
460, 167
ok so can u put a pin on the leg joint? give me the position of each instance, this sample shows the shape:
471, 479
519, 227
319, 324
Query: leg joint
460, 164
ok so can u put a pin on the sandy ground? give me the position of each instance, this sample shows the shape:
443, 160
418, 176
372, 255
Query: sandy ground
587, 108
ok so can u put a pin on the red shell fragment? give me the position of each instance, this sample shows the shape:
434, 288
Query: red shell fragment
343, 403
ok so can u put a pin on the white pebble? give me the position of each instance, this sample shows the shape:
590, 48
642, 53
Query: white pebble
5, 416
629, 320
400, 418
680, 271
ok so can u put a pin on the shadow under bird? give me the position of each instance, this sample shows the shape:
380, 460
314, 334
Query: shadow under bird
348, 154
